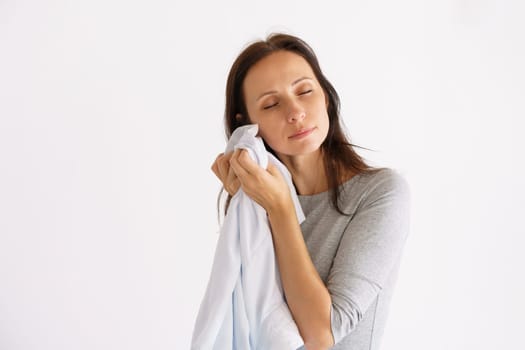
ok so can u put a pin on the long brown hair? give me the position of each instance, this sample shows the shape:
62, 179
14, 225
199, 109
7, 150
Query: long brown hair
338, 153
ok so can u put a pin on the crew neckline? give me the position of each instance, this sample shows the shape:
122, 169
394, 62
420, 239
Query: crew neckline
325, 193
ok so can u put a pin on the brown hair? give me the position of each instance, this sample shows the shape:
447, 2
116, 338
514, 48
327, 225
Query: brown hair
338, 153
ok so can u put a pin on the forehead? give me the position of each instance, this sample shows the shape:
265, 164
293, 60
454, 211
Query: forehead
279, 68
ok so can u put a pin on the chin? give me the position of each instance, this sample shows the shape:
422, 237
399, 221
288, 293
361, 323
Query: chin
303, 151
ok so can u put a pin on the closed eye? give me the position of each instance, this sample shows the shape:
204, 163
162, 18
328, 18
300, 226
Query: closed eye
270, 106
306, 92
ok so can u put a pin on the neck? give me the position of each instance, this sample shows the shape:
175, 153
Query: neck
308, 172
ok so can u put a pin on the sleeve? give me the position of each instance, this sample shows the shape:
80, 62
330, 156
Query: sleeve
370, 246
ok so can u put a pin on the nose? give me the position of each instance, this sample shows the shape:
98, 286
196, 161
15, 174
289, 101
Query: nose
296, 112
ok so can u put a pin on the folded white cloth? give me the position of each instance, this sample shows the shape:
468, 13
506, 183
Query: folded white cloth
244, 306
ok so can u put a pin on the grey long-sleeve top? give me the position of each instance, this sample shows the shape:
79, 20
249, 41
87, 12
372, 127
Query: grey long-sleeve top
358, 256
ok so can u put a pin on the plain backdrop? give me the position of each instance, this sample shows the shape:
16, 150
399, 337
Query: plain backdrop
111, 116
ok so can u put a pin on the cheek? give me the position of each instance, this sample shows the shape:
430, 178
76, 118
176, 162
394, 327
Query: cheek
268, 123
266, 134
270, 135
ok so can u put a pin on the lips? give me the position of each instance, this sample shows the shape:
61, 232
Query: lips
302, 133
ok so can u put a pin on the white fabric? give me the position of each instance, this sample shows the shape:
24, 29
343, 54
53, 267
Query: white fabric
244, 307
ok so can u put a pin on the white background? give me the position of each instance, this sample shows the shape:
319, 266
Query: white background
111, 115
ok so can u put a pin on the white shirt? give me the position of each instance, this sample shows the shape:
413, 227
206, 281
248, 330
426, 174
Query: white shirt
244, 306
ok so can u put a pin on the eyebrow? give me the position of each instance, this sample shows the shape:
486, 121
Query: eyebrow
273, 91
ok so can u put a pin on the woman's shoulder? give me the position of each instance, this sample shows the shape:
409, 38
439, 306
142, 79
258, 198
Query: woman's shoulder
386, 178
379, 183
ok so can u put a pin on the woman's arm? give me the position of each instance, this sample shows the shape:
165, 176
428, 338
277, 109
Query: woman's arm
306, 295
369, 250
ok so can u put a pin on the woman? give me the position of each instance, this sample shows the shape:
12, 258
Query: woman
338, 267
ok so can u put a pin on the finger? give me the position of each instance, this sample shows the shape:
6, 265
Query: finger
231, 175
215, 165
232, 182
273, 170
248, 164
236, 166
233, 187
223, 165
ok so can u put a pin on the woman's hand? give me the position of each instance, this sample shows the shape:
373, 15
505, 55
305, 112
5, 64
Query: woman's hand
221, 168
265, 186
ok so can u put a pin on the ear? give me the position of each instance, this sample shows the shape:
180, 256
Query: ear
327, 102
240, 118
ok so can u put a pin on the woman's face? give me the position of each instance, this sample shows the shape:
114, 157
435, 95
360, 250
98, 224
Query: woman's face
284, 97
